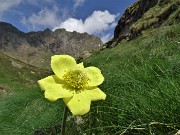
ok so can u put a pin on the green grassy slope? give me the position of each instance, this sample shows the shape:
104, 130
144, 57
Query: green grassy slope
142, 83
24, 110
17, 75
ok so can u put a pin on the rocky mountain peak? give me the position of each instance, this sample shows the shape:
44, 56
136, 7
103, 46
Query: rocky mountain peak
142, 15
7, 27
36, 47
132, 14
47, 30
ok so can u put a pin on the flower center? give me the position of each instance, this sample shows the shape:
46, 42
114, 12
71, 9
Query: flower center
76, 78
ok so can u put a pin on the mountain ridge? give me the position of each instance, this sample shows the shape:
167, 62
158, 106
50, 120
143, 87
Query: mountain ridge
144, 15
36, 47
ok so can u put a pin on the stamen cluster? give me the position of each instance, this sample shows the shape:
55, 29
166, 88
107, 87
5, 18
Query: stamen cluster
76, 78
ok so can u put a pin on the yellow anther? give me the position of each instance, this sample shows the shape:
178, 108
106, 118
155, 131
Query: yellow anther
76, 78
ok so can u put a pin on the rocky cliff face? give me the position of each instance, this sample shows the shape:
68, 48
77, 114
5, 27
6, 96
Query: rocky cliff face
145, 14
35, 48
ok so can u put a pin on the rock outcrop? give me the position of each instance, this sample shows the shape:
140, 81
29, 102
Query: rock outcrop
35, 48
142, 15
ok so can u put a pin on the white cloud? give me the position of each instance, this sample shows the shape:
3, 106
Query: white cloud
72, 24
98, 24
45, 17
78, 3
5, 5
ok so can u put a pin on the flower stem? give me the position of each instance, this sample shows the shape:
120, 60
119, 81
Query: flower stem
63, 124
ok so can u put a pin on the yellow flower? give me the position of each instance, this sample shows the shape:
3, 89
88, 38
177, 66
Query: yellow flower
74, 83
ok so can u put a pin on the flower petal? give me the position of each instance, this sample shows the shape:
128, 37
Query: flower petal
95, 76
81, 65
50, 79
60, 63
79, 104
56, 91
95, 94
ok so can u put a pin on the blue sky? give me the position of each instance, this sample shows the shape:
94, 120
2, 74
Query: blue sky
97, 17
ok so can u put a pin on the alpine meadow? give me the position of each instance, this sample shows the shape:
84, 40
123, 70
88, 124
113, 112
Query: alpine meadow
141, 69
